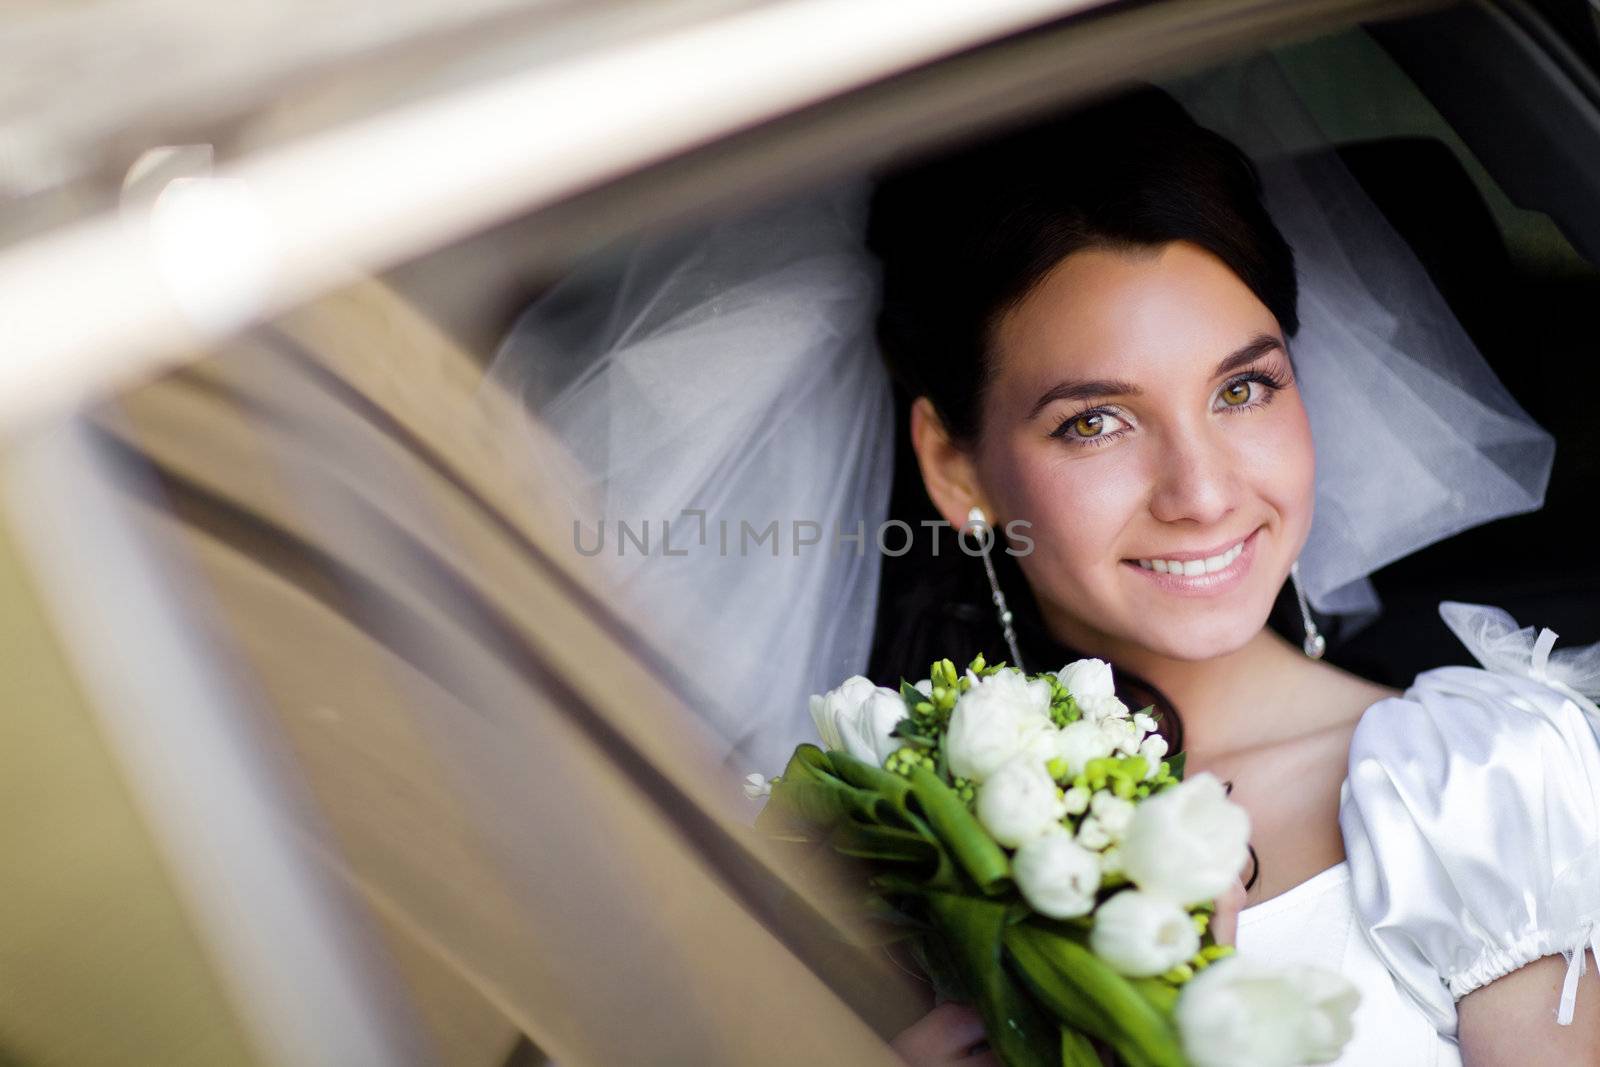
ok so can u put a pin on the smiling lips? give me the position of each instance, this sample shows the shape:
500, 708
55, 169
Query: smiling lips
1207, 565
1216, 572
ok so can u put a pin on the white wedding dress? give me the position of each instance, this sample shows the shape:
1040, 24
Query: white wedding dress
1471, 821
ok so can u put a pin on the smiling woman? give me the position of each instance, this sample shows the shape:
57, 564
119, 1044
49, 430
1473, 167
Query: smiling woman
1094, 324
1109, 363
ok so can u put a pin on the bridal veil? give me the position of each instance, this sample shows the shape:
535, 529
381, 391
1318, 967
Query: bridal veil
731, 422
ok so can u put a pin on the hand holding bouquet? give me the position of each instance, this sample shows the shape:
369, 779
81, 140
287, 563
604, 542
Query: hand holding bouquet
1053, 868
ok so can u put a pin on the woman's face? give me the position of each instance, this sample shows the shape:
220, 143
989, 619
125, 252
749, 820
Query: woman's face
1143, 408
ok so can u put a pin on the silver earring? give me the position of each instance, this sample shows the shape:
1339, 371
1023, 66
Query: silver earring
978, 526
1314, 644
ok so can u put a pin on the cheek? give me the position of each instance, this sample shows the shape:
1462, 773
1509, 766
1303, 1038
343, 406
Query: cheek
1078, 507
1281, 461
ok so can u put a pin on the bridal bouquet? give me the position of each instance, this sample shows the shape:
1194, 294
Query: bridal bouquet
1053, 867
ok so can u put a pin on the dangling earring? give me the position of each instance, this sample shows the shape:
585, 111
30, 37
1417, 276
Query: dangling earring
1314, 644
978, 526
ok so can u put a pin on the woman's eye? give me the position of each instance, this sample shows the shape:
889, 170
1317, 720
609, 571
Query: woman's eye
1237, 394
1090, 426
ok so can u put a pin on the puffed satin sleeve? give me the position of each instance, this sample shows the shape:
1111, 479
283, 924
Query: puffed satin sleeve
1471, 820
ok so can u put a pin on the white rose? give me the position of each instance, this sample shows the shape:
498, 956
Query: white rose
997, 718
1079, 742
1241, 1010
1057, 876
1188, 842
1139, 935
858, 718
1087, 680
1019, 802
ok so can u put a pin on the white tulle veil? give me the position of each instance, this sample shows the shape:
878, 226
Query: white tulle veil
729, 375
723, 397
1416, 438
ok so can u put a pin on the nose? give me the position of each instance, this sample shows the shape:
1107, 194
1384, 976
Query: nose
1196, 480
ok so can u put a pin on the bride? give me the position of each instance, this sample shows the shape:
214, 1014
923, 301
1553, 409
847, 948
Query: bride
1111, 365
1096, 319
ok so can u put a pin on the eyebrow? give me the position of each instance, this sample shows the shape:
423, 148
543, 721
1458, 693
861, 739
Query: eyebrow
1258, 346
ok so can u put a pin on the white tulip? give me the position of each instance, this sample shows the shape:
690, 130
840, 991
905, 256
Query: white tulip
1241, 1010
1093, 835
1079, 742
1187, 842
1123, 734
1057, 876
1076, 800
1019, 802
1154, 750
1140, 935
999, 717
1104, 709
858, 717
1087, 680
1113, 813
1331, 1001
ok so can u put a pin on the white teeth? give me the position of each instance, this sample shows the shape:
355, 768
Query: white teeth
1193, 566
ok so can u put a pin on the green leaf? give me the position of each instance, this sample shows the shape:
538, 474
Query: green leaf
969, 843
1077, 1050
1059, 995
810, 794
887, 844
863, 775
972, 929
1159, 992
1082, 991
933, 955
1175, 763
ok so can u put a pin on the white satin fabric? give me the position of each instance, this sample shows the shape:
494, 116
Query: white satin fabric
1315, 923
1471, 824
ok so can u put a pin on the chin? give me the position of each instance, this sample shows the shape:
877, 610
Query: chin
1200, 636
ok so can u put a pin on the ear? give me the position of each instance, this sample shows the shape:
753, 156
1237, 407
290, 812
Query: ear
947, 470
